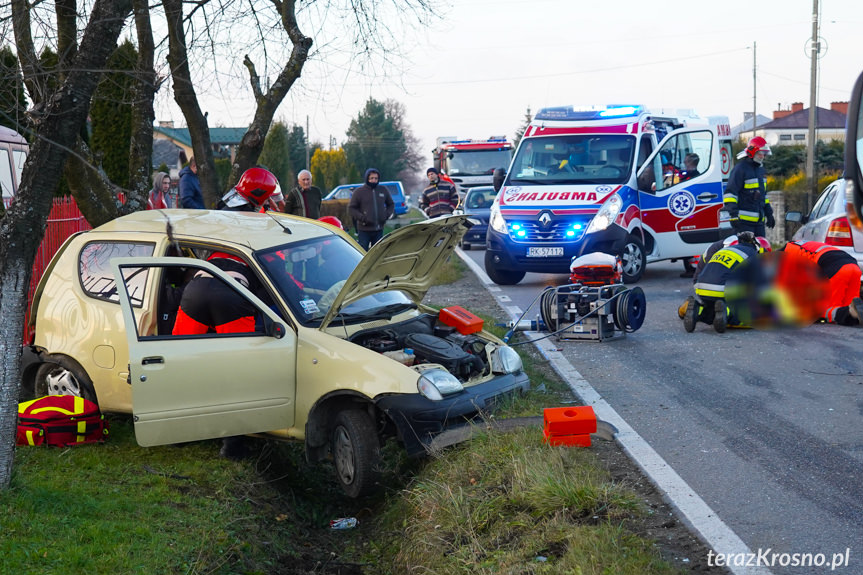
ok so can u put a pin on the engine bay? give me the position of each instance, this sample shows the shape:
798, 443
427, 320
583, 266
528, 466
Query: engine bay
464, 356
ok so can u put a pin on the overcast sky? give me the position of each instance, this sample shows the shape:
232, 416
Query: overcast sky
474, 73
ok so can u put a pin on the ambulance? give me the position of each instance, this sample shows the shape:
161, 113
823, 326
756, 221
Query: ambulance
623, 180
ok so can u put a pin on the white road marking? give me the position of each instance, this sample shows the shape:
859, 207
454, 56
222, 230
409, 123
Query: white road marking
692, 509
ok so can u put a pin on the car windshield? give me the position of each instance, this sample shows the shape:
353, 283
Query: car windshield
476, 162
573, 159
480, 198
309, 275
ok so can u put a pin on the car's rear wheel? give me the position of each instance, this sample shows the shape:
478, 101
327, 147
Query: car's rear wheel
60, 375
499, 276
356, 452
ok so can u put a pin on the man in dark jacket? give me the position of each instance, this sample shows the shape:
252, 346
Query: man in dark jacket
370, 207
745, 197
191, 197
440, 198
305, 199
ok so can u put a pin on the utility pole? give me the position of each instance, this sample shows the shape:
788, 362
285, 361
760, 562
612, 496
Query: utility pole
811, 179
754, 107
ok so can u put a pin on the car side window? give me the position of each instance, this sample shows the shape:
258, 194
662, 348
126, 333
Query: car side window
94, 270
822, 206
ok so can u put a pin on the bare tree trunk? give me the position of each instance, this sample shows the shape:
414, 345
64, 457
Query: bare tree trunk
22, 228
253, 140
184, 95
143, 115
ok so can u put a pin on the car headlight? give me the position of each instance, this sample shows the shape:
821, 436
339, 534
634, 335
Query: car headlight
436, 383
506, 360
606, 214
496, 220
475, 221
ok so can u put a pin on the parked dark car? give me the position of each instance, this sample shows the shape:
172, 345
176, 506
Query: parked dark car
476, 205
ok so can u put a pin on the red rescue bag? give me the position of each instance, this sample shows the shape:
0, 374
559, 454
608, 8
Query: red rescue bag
62, 420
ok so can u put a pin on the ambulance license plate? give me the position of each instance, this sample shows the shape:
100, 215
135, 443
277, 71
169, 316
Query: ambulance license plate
535, 252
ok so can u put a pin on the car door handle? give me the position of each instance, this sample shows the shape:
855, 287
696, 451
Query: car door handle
707, 196
152, 360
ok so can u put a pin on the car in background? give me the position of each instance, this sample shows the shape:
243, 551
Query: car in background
324, 363
477, 206
828, 222
396, 189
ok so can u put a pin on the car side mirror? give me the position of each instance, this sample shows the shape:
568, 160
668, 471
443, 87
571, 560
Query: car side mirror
796, 217
854, 156
276, 329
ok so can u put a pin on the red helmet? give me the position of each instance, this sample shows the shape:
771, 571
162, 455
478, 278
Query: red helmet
256, 185
762, 243
333, 221
757, 144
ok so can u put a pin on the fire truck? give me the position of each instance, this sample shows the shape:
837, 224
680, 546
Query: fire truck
471, 163
613, 180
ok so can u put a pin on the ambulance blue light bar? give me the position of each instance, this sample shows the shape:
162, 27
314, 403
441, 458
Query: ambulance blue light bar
571, 113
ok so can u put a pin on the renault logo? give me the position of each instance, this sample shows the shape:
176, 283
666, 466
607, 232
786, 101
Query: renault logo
545, 219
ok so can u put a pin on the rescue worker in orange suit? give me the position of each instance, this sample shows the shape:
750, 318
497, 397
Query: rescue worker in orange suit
745, 197
207, 303
727, 285
821, 281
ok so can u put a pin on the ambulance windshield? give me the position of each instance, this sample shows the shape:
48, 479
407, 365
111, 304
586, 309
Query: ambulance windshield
574, 159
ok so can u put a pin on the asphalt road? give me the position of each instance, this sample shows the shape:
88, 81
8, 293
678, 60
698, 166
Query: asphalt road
765, 426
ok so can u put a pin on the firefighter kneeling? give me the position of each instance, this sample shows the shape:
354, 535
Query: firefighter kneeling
726, 289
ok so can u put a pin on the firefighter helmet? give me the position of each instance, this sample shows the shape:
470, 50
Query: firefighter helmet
333, 221
256, 185
762, 243
757, 144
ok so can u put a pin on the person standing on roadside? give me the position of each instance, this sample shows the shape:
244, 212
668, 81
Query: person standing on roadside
158, 199
439, 198
745, 197
191, 197
305, 199
370, 207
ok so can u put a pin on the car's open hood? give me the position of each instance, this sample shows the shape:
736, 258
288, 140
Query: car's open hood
408, 259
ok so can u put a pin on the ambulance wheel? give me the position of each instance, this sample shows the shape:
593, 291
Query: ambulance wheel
633, 260
499, 276
356, 452
61, 375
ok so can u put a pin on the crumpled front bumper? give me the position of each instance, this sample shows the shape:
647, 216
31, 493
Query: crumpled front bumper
420, 419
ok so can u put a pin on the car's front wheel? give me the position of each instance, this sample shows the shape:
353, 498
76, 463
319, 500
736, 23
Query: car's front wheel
633, 260
499, 276
356, 452
62, 376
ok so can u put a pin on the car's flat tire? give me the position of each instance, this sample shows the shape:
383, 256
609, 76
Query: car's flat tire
60, 375
356, 452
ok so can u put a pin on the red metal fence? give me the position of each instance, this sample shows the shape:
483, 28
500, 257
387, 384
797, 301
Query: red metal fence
64, 220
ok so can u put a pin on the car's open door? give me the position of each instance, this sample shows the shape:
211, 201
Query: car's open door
187, 388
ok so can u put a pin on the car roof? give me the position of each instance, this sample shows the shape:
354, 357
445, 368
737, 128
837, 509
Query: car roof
253, 230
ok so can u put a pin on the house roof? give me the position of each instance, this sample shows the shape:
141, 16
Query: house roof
800, 120
218, 136
746, 124
165, 152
